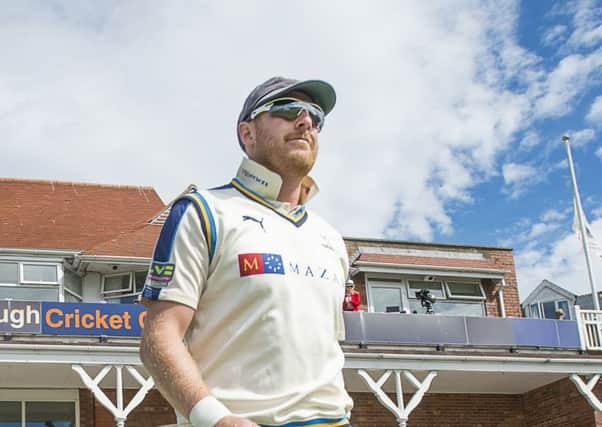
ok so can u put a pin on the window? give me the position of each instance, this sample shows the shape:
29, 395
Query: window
73, 287
117, 283
39, 273
453, 297
38, 408
29, 273
386, 299
9, 273
436, 288
547, 309
465, 290
564, 306
123, 288
535, 311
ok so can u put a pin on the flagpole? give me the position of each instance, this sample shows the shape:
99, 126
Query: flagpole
592, 283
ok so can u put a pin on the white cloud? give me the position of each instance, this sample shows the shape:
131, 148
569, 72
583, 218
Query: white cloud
581, 137
599, 152
562, 262
554, 35
514, 172
530, 140
553, 215
588, 24
556, 95
518, 177
540, 229
595, 113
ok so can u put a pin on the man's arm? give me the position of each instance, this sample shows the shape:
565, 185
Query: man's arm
167, 359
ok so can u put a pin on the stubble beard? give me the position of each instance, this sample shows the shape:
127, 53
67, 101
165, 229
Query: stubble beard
278, 157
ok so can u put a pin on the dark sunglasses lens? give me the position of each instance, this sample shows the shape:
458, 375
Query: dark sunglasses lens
292, 110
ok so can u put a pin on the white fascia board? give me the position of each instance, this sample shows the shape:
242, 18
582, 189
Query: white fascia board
69, 354
478, 273
108, 259
55, 254
544, 365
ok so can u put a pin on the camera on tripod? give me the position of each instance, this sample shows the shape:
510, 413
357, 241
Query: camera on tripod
426, 300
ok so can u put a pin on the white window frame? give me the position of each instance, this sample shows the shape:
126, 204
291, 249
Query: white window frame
398, 284
465, 297
119, 291
118, 294
34, 282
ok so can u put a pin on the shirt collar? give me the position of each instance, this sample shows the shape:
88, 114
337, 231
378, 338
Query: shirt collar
266, 183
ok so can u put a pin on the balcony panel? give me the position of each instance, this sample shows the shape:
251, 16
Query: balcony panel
568, 333
489, 331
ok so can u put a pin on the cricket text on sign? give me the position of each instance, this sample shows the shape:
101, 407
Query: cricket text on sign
53, 318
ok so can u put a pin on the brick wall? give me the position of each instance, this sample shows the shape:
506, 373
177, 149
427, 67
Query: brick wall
444, 410
505, 260
154, 411
86, 408
559, 404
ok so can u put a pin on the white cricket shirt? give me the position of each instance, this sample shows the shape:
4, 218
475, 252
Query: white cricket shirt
267, 284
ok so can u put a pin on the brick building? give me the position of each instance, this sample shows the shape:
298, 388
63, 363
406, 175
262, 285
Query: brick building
73, 258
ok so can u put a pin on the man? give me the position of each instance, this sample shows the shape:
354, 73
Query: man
226, 338
352, 299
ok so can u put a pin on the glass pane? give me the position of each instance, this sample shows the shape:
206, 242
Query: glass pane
39, 273
465, 289
564, 305
535, 311
386, 297
117, 283
451, 308
73, 282
9, 272
549, 310
50, 414
140, 279
10, 414
434, 287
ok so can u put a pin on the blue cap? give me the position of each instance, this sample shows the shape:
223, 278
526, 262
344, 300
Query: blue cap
320, 92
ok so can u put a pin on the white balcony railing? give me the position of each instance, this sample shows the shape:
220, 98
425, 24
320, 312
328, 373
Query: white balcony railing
590, 328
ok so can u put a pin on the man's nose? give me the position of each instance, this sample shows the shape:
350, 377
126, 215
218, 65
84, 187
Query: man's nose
304, 121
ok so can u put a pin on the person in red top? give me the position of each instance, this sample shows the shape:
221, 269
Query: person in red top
352, 299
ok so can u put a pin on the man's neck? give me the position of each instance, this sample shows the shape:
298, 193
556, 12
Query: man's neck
290, 191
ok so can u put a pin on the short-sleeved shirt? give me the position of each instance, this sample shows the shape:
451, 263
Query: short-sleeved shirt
266, 281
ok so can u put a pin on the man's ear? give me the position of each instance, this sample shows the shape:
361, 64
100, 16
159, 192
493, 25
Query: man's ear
246, 130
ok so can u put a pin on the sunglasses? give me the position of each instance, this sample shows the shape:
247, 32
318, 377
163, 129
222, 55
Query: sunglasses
290, 109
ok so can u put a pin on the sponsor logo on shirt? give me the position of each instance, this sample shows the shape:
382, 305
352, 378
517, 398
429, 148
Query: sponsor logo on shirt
161, 271
260, 263
253, 219
315, 271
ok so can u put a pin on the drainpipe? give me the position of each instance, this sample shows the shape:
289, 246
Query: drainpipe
500, 299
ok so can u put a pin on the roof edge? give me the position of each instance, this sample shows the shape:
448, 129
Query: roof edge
82, 184
408, 242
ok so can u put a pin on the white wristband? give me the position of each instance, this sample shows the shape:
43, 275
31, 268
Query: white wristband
207, 412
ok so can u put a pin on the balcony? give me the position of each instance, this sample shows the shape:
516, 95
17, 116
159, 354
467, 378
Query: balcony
433, 330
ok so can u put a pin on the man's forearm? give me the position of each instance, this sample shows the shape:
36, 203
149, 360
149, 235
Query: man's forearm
168, 361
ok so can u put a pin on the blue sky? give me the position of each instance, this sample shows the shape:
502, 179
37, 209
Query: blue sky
447, 126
